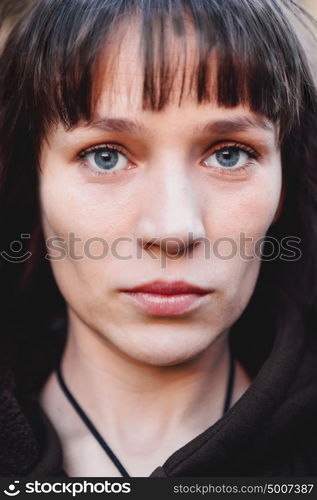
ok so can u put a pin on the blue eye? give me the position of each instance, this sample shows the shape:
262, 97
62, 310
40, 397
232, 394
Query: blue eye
105, 159
228, 157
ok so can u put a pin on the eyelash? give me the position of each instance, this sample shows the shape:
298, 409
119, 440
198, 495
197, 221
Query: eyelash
253, 155
95, 149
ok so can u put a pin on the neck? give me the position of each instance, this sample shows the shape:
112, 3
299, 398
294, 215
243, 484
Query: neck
189, 394
146, 407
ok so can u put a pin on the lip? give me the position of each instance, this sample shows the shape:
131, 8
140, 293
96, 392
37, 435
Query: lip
163, 298
161, 287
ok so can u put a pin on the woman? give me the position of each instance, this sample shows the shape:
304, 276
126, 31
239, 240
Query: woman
158, 210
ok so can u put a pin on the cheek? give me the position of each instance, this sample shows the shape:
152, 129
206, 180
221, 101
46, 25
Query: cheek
87, 210
76, 215
238, 218
244, 208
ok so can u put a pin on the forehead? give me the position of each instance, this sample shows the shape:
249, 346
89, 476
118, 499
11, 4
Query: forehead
120, 83
121, 72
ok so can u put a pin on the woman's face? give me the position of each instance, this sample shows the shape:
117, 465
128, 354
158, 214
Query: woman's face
133, 177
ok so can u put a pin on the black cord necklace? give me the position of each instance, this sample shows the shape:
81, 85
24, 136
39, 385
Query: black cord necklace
98, 436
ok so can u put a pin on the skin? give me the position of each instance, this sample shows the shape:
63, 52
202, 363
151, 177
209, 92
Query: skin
151, 384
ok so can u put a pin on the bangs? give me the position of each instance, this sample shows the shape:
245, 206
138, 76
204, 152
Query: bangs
259, 60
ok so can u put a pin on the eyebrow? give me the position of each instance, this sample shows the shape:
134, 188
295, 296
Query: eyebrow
223, 126
117, 125
238, 124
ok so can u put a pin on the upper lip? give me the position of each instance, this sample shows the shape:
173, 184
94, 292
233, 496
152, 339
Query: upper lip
168, 288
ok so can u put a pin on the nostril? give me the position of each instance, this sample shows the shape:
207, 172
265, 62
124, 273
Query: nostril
178, 247
149, 244
171, 246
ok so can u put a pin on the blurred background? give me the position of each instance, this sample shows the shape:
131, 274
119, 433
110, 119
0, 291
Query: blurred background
311, 6
10, 10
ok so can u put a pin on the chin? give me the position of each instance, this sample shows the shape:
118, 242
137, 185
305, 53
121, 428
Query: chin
171, 352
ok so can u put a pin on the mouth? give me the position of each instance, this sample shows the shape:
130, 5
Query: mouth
162, 298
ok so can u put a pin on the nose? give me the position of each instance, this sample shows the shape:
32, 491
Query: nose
171, 218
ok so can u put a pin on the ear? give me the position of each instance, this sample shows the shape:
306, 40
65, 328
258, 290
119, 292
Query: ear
281, 204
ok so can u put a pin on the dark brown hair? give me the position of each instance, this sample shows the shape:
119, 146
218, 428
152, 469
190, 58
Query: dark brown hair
48, 74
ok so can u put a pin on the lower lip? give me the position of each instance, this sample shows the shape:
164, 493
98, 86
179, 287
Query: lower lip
166, 305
